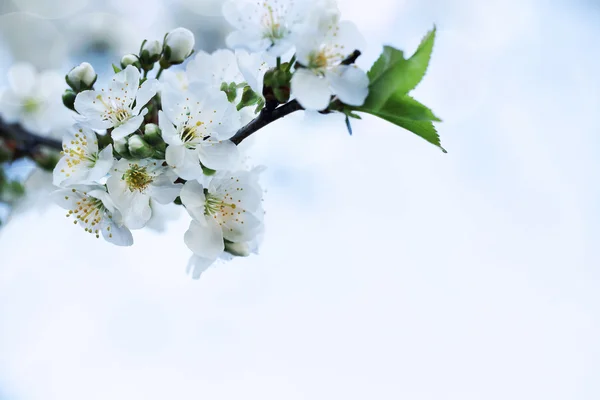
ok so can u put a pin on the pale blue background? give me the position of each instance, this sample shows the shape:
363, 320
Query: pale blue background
389, 270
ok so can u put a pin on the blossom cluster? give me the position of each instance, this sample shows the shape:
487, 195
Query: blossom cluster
139, 140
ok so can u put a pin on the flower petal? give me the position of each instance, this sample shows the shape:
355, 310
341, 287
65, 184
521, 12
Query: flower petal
194, 200
139, 211
242, 229
163, 190
311, 91
115, 234
184, 161
129, 126
349, 83
220, 155
206, 240
91, 105
197, 265
103, 163
22, 78
146, 92
168, 131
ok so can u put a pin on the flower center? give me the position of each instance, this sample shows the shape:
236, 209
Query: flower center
89, 212
31, 105
217, 205
274, 29
323, 59
77, 154
122, 115
137, 178
190, 136
116, 112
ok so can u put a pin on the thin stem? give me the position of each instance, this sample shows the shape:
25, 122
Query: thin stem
265, 118
278, 62
160, 71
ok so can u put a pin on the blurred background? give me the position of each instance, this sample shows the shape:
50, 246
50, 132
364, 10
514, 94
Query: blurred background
389, 269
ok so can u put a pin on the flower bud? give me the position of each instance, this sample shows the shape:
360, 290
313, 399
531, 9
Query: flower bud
139, 148
150, 53
152, 134
81, 77
68, 99
237, 249
179, 45
130, 59
121, 147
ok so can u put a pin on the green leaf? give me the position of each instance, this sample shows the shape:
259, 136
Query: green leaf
422, 128
393, 74
116, 69
405, 107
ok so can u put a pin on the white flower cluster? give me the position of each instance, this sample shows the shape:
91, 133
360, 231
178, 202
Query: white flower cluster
320, 39
139, 141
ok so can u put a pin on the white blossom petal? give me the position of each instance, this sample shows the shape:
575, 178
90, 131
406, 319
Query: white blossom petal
163, 190
349, 83
184, 161
103, 164
220, 155
132, 125
146, 92
197, 265
205, 241
116, 234
311, 90
193, 198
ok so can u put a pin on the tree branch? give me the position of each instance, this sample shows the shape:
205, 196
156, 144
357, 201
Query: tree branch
265, 118
23, 143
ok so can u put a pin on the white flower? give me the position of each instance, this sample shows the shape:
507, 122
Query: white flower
179, 44
82, 76
214, 69
264, 24
197, 125
33, 100
114, 107
94, 211
322, 49
230, 209
81, 161
134, 183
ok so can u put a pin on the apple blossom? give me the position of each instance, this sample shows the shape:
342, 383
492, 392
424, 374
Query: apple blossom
320, 53
94, 211
33, 99
264, 24
134, 183
120, 106
82, 162
196, 126
229, 209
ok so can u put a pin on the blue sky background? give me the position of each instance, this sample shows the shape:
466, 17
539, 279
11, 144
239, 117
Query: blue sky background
389, 270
